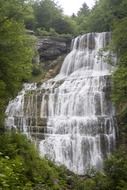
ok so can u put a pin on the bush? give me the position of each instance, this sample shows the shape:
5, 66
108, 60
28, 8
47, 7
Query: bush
36, 70
21, 167
43, 32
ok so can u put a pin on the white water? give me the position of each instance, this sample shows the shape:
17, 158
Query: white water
80, 117
15, 109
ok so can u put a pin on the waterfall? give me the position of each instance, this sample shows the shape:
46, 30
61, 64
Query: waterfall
72, 114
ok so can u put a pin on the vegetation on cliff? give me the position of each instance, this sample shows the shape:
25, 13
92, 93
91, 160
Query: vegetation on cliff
21, 167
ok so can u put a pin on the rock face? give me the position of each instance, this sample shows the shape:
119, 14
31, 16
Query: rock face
52, 48
51, 54
71, 115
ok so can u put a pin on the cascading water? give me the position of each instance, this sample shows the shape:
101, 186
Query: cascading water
80, 124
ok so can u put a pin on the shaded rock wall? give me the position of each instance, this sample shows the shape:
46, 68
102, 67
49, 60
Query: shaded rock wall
51, 54
50, 48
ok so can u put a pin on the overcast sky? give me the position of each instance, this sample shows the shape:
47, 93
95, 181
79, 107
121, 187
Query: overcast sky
72, 6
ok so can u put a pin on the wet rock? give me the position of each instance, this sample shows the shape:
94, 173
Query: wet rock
39, 136
37, 129
97, 104
107, 38
88, 41
42, 121
91, 42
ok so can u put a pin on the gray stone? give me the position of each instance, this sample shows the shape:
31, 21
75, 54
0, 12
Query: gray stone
52, 48
97, 104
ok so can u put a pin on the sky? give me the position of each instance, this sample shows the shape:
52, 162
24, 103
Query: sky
72, 6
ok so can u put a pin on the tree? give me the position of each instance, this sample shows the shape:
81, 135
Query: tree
46, 12
81, 19
15, 50
84, 10
65, 25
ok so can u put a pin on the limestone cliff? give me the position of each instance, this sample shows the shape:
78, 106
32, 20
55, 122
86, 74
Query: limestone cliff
50, 48
51, 53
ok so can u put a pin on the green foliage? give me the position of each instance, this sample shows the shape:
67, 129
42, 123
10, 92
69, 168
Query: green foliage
42, 32
120, 86
36, 70
113, 177
84, 10
46, 12
16, 50
102, 16
81, 19
87, 184
15, 150
99, 19
65, 25
119, 36
119, 90
22, 168
49, 19
116, 169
